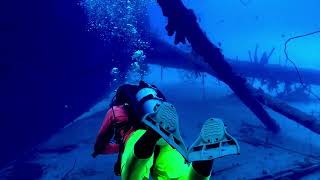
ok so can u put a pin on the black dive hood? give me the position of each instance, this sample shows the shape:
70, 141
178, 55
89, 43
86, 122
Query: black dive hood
138, 99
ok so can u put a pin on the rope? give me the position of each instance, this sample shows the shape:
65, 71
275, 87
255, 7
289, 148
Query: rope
295, 66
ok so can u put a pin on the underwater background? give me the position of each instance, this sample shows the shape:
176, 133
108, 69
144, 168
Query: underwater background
61, 60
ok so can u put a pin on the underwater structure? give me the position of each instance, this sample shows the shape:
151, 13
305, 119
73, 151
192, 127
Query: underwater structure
247, 69
182, 22
209, 59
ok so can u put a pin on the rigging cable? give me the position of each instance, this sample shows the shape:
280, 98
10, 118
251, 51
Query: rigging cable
70, 170
295, 66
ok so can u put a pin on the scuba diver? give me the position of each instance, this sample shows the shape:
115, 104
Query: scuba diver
144, 128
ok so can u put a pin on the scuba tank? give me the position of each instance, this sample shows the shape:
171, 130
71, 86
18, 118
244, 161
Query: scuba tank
148, 97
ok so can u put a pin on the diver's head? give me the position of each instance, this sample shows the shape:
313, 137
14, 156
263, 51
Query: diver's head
124, 94
139, 99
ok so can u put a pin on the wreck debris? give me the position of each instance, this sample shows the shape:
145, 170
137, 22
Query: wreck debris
182, 22
290, 112
245, 3
250, 56
203, 76
274, 72
264, 58
255, 54
245, 68
241, 67
295, 172
161, 72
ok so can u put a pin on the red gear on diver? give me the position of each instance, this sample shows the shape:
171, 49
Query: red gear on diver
114, 116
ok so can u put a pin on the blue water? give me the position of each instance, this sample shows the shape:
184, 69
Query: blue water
52, 70
56, 56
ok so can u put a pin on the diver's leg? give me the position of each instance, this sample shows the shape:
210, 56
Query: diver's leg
137, 158
145, 145
201, 170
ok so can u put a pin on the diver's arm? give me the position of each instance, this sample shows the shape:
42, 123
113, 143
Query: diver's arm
106, 132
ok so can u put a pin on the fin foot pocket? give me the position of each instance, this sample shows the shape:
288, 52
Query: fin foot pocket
165, 122
214, 142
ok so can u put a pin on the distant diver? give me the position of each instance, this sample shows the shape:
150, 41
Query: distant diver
143, 128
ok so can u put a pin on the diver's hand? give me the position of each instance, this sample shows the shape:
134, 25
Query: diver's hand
94, 154
96, 150
117, 168
99, 146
